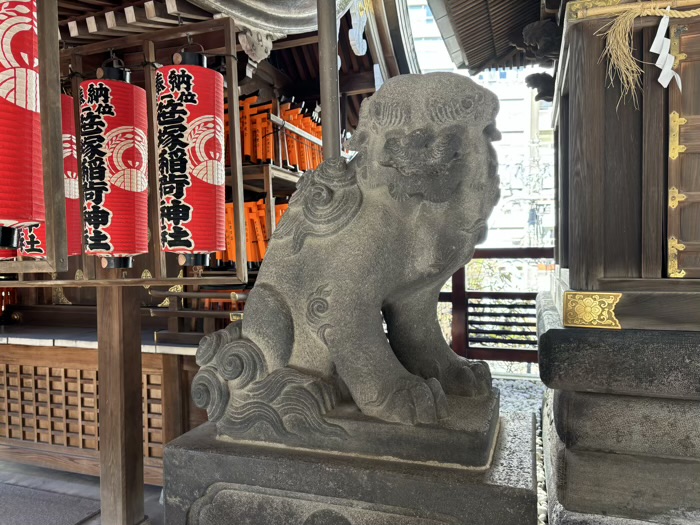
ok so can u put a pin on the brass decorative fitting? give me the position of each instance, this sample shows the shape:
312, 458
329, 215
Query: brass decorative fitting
674, 145
675, 197
591, 310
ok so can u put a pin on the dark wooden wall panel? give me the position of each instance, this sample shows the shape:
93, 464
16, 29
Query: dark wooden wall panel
587, 157
621, 190
655, 129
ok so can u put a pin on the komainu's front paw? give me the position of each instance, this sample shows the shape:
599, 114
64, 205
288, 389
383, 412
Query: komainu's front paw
466, 378
409, 400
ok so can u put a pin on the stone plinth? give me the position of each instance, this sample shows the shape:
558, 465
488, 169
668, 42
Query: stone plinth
621, 429
215, 482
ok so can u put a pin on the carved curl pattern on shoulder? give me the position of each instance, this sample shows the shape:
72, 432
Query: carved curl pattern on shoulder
325, 202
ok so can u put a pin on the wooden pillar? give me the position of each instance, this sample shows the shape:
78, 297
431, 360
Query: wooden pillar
328, 75
52, 143
563, 183
120, 400
270, 212
155, 248
236, 156
459, 313
587, 157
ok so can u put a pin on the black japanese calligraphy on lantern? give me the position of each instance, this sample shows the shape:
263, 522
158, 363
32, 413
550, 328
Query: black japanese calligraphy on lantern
29, 242
96, 104
175, 94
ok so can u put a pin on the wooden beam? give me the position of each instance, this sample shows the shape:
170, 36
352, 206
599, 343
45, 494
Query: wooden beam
117, 20
137, 16
163, 35
156, 12
120, 399
186, 10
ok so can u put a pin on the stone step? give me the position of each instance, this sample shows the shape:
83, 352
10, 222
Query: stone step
647, 363
628, 424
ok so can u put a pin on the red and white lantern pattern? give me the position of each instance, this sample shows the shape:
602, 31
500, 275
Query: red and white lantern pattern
114, 153
32, 241
191, 159
71, 182
21, 175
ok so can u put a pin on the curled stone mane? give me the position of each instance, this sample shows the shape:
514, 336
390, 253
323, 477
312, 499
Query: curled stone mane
326, 200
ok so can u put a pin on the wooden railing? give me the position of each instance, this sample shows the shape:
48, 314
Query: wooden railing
497, 326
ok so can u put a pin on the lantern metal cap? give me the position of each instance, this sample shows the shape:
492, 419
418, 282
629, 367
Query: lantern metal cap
193, 259
9, 238
117, 263
189, 58
114, 73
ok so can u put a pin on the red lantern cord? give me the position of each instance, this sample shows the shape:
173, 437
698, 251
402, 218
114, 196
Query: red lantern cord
191, 159
114, 154
71, 182
21, 175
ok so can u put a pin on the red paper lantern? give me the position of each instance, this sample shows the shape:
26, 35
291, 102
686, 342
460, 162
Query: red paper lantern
21, 175
32, 241
114, 154
8, 255
71, 182
191, 160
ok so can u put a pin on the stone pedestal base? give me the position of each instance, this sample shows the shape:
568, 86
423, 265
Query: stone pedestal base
606, 486
214, 482
620, 429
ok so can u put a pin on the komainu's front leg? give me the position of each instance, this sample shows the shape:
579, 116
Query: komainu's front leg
378, 382
417, 340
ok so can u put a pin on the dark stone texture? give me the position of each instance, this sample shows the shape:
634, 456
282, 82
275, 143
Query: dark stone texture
364, 244
631, 362
248, 484
628, 424
596, 488
467, 437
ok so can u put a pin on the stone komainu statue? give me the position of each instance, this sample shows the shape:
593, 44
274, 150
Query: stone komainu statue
364, 244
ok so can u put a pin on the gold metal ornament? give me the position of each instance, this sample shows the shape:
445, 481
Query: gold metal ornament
674, 247
177, 289
591, 310
676, 44
146, 274
675, 197
674, 145
57, 294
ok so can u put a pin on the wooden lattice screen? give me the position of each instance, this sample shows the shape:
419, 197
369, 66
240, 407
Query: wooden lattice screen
49, 407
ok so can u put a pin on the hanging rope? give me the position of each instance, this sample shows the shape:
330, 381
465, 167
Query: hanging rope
618, 36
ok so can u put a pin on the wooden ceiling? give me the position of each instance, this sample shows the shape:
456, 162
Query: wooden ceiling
84, 21
292, 68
